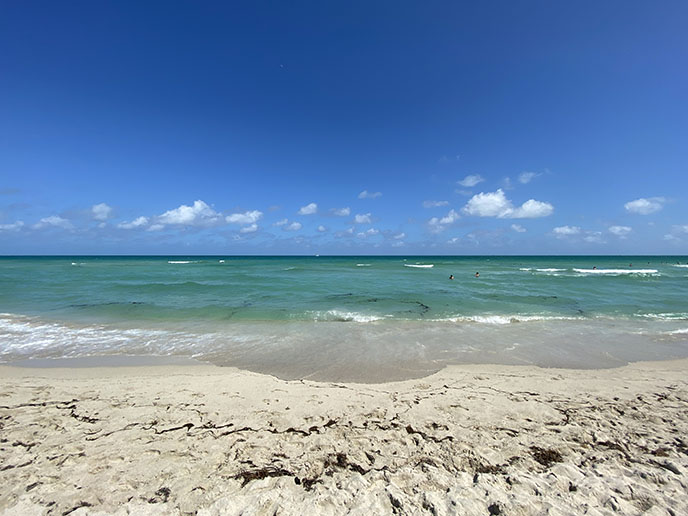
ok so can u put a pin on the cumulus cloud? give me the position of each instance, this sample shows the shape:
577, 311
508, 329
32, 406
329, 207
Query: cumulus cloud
53, 221
620, 231
15, 226
594, 237
322, 229
399, 236
282, 222
365, 194
294, 226
342, 212
434, 204
248, 217
471, 180
495, 204
681, 229
101, 211
156, 227
518, 228
309, 209
200, 214
370, 232
645, 206
437, 224
136, 223
252, 228
564, 231
362, 218
527, 177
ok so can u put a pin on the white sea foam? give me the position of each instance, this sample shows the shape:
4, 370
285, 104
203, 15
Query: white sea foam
362, 265
681, 265
525, 269
550, 270
505, 319
671, 316
680, 331
617, 272
180, 261
341, 316
222, 261
419, 266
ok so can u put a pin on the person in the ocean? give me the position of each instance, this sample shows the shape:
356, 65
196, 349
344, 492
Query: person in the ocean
451, 276
477, 274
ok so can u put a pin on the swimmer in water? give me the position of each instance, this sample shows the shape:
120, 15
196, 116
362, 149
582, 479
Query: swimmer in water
477, 274
451, 276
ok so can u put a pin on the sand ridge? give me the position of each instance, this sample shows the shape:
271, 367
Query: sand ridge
481, 440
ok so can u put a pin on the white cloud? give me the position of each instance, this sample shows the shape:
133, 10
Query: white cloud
645, 206
532, 209
136, 223
434, 204
495, 204
248, 217
156, 227
527, 177
564, 231
101, 211
365, 194
437, 225
370, 232
671, 238
518, 228
362, 218
294, 226
309, 209
594, 237
620, 231
282, 222
342, 212
200, 214
53, 221
681, 229
471, 180
252, 228
322, 229
15, 226
399, 236
450, 217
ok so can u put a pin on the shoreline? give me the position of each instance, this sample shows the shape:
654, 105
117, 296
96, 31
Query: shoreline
469, 439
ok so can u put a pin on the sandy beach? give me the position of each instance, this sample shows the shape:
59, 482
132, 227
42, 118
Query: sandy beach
483, 440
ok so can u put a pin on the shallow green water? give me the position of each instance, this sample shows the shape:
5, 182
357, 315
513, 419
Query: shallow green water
226, 309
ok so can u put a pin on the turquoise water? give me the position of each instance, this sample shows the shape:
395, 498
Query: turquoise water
347, 317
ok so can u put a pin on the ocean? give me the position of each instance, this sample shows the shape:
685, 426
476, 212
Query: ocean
354, 318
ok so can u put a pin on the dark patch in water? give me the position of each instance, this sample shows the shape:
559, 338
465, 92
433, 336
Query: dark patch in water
422, 307
88, 305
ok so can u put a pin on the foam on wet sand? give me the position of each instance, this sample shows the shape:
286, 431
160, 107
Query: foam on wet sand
467, 440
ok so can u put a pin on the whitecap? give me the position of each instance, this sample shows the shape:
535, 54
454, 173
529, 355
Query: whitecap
362, 265
341, 316
179, 261
616, 272
419, 266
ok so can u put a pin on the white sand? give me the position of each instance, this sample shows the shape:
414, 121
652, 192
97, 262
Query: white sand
468, 440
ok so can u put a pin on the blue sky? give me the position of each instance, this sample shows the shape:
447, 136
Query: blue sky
343, 127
